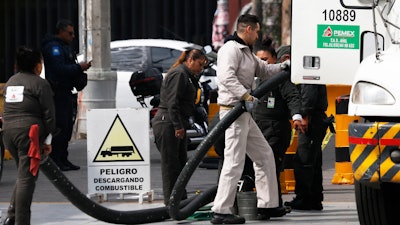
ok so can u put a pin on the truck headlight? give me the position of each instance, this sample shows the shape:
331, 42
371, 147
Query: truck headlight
368, 93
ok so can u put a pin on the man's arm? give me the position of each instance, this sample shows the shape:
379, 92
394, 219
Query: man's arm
265, 70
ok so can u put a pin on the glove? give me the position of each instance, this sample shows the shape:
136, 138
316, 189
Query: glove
285, 65
249, 105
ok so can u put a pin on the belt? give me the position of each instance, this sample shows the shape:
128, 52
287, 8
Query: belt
225, 107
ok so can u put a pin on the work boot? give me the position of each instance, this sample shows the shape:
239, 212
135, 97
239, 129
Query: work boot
9, 221
218, 218
61, 166
316, 206
266, 213
71, 166
262, 214
299, 204
304, 204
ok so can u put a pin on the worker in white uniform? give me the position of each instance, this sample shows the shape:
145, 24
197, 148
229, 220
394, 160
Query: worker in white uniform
237, 67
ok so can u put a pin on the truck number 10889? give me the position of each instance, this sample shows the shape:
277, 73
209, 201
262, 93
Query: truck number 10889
339, 15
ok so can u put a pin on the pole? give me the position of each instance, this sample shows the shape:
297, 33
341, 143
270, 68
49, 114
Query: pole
101, 88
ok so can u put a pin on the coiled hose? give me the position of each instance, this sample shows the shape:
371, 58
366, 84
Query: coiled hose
177, 210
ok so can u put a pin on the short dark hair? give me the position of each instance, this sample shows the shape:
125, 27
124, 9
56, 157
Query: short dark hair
27, 59
247, 20
62, 25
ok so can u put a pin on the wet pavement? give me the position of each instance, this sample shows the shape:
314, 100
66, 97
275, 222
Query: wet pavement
50, 207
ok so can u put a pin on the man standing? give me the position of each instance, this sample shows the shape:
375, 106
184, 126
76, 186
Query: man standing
308, 158
64, 74
237, 66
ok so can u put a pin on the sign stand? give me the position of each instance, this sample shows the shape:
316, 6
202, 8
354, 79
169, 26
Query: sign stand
149, 196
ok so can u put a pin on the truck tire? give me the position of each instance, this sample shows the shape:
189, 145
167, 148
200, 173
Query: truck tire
377, 205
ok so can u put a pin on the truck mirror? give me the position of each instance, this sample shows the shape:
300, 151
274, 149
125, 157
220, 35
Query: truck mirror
359, 4
368, 44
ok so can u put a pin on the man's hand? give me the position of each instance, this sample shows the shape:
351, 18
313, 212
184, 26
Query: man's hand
297, 126
85, 65
249, 103
304, 124
47, 149
180, 134
285, 65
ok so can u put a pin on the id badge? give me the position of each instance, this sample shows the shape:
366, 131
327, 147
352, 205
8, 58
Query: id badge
271, 103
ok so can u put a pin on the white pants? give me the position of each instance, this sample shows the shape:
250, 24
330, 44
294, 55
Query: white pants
243, 136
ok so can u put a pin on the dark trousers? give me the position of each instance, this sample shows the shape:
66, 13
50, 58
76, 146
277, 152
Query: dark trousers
308, 160
173, 154
17, 142
64, 105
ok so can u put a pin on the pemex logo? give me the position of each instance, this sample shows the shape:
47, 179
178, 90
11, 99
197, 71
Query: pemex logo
327, 32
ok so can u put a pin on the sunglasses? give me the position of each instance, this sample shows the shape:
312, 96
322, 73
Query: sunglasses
70, 32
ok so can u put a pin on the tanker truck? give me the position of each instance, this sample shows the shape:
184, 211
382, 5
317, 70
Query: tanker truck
356, 43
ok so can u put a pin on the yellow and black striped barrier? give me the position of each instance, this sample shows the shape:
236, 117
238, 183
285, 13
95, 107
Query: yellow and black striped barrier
343, 170
375, 151
286, 178
211, 160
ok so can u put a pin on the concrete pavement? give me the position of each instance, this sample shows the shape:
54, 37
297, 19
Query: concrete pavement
50, 207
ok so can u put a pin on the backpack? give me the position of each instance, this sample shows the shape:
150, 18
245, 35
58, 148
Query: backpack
146, 83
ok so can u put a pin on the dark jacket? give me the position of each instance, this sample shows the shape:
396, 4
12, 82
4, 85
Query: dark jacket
314, 99
178, 95
34, 106
287, 102
61, 68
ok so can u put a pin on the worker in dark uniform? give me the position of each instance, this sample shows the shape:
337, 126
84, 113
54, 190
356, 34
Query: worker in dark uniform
308, 158
274, 110
29, 123
64, 74
177, 104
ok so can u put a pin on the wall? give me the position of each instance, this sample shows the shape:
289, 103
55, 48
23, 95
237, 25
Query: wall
25, 22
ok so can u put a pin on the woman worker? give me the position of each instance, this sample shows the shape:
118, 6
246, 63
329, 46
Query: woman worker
29, 122
177, 103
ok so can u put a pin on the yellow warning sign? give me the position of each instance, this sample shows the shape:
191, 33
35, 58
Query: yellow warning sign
118, 145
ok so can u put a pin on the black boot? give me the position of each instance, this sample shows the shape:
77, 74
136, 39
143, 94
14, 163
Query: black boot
71, 166
299, 204
9, 221
266, 213
219, 218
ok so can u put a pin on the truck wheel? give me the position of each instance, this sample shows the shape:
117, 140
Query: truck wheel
377, 205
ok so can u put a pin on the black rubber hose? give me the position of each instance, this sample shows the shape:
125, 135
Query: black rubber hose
179, 213
188, 206
95, 210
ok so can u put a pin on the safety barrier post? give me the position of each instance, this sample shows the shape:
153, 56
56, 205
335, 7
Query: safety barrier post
286, 178
343, 170
211, 160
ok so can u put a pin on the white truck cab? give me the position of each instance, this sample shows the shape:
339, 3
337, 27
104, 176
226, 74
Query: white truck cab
356, 42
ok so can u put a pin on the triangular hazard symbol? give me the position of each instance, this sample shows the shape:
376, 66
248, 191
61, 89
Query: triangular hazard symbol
118, 145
